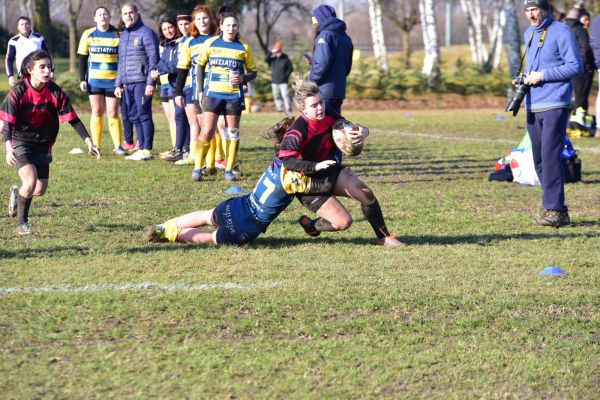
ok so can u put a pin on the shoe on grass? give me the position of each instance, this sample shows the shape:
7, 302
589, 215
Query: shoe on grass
196, 175
23, 229
305, 223
120, 151
553, 218
390, 241
155, 233
208, 171
185, 161
13, 201
220, 164
173, 155
230, 176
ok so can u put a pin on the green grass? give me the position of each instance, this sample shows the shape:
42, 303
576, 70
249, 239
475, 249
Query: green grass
460, 312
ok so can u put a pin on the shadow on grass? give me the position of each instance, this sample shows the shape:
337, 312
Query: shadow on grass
485, 240
45, 252
115, 227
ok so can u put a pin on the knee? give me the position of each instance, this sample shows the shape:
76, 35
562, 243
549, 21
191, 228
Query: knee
369, 197
40, 191
342, 223
27, 189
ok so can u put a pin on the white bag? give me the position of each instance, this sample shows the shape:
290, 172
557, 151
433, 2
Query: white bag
523, 168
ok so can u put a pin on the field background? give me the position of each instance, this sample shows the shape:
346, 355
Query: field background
88, 310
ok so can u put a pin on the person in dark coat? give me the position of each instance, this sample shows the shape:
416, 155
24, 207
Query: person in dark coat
582, 84
281, 69
332, 57
138, 57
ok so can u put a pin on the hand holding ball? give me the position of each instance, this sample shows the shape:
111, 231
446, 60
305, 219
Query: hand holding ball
349, 137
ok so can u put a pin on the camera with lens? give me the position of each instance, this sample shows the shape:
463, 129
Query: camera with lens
520, 91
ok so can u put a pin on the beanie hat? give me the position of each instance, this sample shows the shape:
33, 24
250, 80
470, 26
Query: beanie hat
543, 4
323, 13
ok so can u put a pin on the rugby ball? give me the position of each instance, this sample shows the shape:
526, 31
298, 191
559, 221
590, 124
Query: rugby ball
343, 139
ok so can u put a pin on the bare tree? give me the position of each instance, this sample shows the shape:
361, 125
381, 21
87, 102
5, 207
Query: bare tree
41, 20
431, 64
379, 49
405, 15
513, 36
26, 9
268, 13
482, 58
73, 10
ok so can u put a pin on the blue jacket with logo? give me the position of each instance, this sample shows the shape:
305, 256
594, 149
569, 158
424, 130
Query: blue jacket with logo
558, 59
332, 60
138, 54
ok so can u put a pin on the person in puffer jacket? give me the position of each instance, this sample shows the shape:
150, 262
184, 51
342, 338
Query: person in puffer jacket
138, 57
332, 57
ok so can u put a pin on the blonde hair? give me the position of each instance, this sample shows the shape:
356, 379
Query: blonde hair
303, 89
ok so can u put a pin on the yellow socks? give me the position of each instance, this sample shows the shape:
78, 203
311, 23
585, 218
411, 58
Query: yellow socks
171, 230
115, 128
96, 128
232, 150
173, 132
219, 148
210, 156
202, 148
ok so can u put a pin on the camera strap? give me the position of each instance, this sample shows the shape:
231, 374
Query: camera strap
539, 46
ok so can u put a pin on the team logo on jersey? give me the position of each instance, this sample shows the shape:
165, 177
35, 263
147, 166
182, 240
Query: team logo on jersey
321, 41
136, 41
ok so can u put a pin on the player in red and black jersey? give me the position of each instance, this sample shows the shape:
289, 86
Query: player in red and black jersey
308, 147
30, 116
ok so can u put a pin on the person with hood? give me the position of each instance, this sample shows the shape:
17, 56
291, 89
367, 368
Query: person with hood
332, 57
553, 59
138, 57
582, 84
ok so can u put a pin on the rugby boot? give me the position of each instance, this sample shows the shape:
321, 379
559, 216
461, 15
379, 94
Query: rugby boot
23, 229
155, 233
306, 223
553, 218
389, 241
230, 176
196, 175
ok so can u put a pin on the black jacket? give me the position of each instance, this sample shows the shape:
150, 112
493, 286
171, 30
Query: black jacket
583, 39
281, 67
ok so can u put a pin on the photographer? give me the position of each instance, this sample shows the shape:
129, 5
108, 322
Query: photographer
553, 59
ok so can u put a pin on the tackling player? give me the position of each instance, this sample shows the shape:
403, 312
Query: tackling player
31, 113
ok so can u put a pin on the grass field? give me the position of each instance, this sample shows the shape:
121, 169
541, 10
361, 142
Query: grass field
88, 310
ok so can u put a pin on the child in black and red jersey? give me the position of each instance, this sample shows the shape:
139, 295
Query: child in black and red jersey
30, 116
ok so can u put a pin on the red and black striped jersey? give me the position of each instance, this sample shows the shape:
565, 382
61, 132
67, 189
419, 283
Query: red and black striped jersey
309, 140
33, 116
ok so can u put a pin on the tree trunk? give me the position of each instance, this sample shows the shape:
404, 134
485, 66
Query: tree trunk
73, 11
472, 10
431, 64
377, 35
41, 20
513, 36
406, 50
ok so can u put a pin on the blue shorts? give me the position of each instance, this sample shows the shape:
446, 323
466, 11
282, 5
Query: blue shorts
223, 106
187, 96
237, 224
93, 90
165, 93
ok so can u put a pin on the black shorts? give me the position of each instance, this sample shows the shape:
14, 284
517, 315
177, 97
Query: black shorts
223, 106
165, 99
323, 182
34, 154
93, 90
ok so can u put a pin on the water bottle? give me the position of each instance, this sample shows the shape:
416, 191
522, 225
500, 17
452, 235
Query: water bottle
233, 71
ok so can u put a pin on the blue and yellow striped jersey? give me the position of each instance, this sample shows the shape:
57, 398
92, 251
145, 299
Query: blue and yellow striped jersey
102, 49
219, 57
187, 59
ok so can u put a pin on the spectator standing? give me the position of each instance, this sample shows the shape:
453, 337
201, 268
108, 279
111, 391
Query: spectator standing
553, 60
138, 57
582, 84
332, 57
20, 46
281, 69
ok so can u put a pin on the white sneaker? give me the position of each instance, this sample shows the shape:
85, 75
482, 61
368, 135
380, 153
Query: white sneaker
140, 155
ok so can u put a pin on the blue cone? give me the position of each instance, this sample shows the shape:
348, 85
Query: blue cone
235, 190
553, 270
500, 118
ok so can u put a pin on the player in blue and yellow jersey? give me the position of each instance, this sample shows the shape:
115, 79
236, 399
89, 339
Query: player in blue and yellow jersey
239, 220
225, 64
170, 31
203, 28
98, 60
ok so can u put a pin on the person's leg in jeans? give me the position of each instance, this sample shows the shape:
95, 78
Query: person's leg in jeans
284, 90
277, 97
132, 110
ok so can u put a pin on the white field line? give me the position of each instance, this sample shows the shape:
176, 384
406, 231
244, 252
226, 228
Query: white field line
435, 136
148, 286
